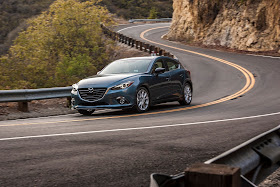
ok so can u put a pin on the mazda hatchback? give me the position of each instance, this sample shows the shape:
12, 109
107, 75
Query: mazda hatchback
136, 83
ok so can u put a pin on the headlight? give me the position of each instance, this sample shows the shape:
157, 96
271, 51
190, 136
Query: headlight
122, 85
74, 88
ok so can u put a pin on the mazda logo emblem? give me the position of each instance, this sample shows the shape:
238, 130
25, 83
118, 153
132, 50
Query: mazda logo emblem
90, 90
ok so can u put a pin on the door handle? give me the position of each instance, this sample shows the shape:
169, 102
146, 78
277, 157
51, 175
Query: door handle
181, 75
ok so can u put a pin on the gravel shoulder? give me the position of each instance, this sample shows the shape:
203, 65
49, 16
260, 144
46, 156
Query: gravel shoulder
272, 181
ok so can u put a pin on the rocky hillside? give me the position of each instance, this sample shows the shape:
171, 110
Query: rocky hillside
252, 25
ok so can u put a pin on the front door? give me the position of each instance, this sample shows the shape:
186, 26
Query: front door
159, 84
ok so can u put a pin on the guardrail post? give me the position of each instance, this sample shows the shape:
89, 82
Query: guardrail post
156, 50
212, 175
23, 106
147, 46
137, 44
129, 41
151, 49
120, 37
141, 46
68, 104
132, 42
125, 39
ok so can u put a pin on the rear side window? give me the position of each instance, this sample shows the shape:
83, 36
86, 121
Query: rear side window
172, 65
158, 64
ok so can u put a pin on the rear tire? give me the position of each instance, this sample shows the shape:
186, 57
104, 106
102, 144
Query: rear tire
187, 95
86, 112
142, 100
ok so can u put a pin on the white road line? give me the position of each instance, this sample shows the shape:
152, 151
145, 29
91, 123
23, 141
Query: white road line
139, 26
263, 56
138, 128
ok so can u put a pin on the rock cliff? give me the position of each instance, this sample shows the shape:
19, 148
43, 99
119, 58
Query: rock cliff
252, 25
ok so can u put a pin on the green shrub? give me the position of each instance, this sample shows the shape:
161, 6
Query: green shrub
61, 46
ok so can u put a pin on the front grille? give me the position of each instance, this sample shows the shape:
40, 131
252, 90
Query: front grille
92, 95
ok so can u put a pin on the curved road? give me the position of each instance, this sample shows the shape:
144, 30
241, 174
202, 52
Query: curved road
116, 148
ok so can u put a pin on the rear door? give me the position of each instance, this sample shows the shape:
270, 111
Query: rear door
177, 77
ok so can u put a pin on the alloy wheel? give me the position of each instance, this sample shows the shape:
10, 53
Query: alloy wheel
188, 94
143, 100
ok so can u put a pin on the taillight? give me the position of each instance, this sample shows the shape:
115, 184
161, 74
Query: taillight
189, 73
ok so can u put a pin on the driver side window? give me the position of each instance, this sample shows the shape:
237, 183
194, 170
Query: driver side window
158, 64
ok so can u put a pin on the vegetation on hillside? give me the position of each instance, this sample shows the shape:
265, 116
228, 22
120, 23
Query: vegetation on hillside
61, 46
140, 8
13, 13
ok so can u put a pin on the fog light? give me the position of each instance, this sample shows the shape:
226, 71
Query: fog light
121, 100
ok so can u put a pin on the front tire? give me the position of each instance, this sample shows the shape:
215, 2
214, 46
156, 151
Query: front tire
86, 112
142, 100
187, 95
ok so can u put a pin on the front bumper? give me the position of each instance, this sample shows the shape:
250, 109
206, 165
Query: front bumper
110, 100
82, 107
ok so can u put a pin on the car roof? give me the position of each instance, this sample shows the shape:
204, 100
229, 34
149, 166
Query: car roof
144, 57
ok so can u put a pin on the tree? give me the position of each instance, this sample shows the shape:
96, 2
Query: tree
61, 46
153, 13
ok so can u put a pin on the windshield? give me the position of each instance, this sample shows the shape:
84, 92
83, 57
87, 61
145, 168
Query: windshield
127, 66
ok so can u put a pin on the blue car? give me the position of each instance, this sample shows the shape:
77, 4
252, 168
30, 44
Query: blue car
134, 83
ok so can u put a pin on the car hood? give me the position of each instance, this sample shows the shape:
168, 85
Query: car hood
104, 81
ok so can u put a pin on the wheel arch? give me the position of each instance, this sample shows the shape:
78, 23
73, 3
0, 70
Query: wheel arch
145, 86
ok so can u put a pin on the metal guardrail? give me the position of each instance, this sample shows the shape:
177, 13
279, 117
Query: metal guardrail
148, 20
142, 46
26, 95
257, 159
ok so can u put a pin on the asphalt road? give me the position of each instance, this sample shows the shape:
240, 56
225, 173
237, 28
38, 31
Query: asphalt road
116, 148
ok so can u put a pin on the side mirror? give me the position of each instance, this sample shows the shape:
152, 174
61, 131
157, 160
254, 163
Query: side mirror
159, 70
